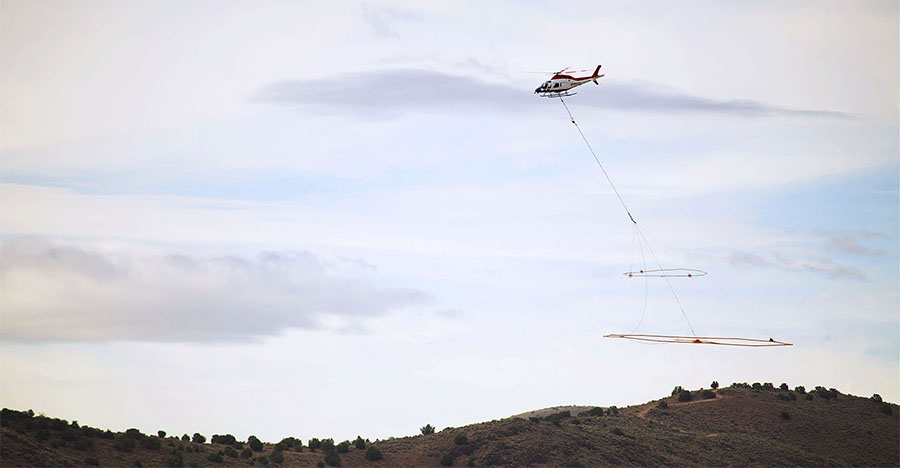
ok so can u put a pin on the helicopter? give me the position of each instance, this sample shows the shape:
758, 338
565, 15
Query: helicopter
562, 82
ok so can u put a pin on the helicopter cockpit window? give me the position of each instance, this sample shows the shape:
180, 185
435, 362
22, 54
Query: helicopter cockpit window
556, 85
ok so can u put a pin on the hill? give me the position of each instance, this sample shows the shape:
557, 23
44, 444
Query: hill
742, 425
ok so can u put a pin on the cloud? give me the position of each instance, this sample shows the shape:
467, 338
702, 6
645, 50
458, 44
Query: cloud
55, 292
812, 264
391, 92
380, 19
850, 242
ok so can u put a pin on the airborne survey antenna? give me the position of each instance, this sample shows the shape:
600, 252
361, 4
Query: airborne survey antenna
558, 87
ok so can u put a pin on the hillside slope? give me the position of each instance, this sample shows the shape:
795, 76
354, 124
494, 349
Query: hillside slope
735, 426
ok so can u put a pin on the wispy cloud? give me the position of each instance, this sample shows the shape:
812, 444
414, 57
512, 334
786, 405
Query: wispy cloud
54, 292
381, 19
809, 264
391, 92
850, 242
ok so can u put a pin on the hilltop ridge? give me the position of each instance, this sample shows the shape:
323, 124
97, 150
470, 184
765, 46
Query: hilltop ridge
741, 425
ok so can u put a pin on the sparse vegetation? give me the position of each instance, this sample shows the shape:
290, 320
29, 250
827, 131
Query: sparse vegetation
886, 409
92, 461
613, 411
262, 460
573, 464
708, 394
246, 453
685, 396
461, 439
124, 444
277, 456
617, 431
447, 459
343, 447
595, 411
215, 458
314, 444
662, 404
231, 452
427, 429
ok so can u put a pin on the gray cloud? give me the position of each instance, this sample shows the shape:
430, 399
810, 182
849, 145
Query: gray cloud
55, 292
817, 265
850, 242
391, 92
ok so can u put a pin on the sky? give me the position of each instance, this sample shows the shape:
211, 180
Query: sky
330, 219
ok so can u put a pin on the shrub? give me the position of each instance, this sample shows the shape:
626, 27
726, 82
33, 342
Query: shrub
756, 386
876, 398
708, 394
134, 434
161, 434
768, 386
447, 460
277, 456
800, 389
427, 429
461, 439
226, 439
215, 458
714, 385
886, 409
231, 452
320, 465
612, 410
91, 461
617, 431
138, 463
255, 444
151, 443
808, 396
176, 461
685, 396
246, 453
373, 454
84, 444
262, 460
185, 438
198, 438
470, 462
826, 393
42, 435
124, 444
332, 458
785, 415
573, 464
343, 447
677, 390
327, 445
595, 411
359, 443
662, 404
314, 444
783, 386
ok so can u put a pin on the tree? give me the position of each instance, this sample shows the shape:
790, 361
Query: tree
314, 444
677, 390
714, 385
185, 438
255, 444
373, 454
800, 389
876, 398
161, 434
332, 458
343, 447
359, 443
427, 429
783, 386
198, 438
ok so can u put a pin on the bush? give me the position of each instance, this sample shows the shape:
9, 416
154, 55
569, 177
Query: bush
826, 393
343, 447
595, 411
756, 386
359, 443
332, 458
427, 429
84, 444
808, 396
708, 394
151, 443
226, 439
185, 438
447, 460
685, 396
277, 457
124, 444
231, 452
320, 465
886, 409
215, 458
176, 461
785, 415
677, 390
373, 454
327, 445
198, 438
246, 453
42, 435
876, 398
138, 463
573, 464
714, 385
800, 389
255, 444
662, 404
783, 386
91, 461
314, 444
617, 431
612, 410
768, 386
134, 434
262, 460
161, 434
461, 439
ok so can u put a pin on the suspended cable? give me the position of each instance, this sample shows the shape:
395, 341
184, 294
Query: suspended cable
598, 161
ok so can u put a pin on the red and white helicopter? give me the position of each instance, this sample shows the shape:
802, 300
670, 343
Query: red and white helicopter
562, 82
